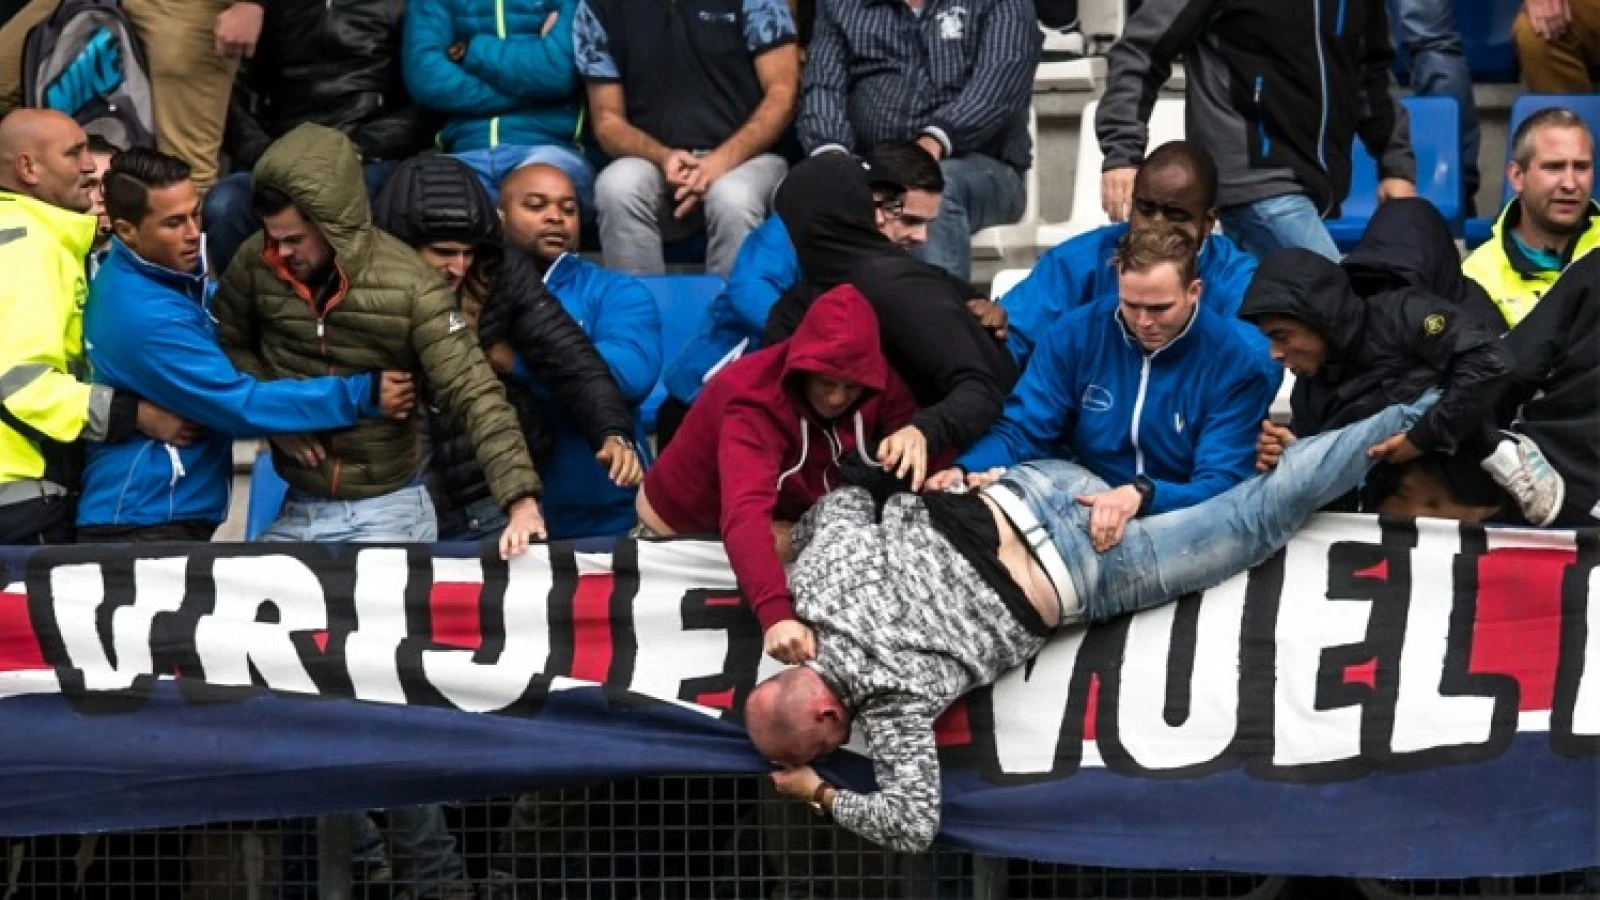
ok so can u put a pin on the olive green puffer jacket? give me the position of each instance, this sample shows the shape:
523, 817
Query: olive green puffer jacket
391, 311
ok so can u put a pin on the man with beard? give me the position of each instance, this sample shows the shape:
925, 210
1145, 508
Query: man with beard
1552, 221
439, 205
539, 208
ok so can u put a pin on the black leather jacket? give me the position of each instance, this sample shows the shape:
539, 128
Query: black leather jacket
332, 62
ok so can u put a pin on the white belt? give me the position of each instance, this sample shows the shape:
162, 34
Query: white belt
1037, 538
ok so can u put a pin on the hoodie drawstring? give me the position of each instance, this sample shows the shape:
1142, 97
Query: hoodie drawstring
805, 448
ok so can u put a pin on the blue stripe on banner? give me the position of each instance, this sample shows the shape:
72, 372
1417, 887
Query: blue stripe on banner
199, 763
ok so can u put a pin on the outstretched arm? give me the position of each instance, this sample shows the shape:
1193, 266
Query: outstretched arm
903, 814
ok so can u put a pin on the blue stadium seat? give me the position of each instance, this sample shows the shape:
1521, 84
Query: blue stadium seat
1585, 105
1434, 129
267, 492
685, 305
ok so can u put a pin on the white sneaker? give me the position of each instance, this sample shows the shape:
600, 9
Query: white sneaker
1519, 466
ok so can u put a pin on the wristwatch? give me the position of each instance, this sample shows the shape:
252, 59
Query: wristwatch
1147, 492
816, 799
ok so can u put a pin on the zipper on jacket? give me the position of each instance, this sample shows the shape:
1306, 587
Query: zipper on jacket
1261, 120
1322, 72
1138, 411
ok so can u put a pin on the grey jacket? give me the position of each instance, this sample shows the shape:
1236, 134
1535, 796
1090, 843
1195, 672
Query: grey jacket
1276, 90
905, 626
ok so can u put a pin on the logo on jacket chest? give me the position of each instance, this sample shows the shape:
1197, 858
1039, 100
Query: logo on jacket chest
952, 23
1097, 399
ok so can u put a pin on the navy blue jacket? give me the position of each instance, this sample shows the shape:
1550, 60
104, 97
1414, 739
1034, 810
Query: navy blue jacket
1186, 416
1079, 272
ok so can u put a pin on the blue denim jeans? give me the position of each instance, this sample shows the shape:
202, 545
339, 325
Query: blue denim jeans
493, 164
425, 850
1265, 226
229, 218
405, 516
1164, 557
979, 193
1439, 69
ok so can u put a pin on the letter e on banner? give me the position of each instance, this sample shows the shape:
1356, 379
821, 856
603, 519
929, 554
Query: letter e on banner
1309, 624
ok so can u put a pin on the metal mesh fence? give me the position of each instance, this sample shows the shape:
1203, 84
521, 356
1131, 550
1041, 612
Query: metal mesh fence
674, 838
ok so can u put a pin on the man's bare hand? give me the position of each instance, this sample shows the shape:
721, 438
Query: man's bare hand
621, 462
304, 449
157, 423
712, 166
1116, 192
799, 783
237, 30
1395, 189
991, 315
526, 525
1274, 439
1397, 449
502, 359
1550, 18
791, 642
549, 23
931, 144
945, 480
397, 395
905, 451
1113, 510
678, 166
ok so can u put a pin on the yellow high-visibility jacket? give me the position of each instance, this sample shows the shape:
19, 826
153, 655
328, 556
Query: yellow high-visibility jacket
43, 405
1506, 274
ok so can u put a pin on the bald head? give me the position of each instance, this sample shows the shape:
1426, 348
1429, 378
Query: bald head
794, 717
539, 212
45, 155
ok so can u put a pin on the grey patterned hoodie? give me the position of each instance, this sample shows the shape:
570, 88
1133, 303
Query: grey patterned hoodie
904, 626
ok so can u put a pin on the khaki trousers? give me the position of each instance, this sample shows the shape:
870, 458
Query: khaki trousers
191, 84
1560, 66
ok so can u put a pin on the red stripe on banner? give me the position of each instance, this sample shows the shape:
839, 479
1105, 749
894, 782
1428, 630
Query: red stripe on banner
1092, 710
321, 640
19, 646
1518, 631
953, 728
720, 700
728, 600
1362, 673
591, 628
1379, 572
454, 605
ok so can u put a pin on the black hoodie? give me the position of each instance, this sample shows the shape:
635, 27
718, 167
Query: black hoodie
958, 372
1557, 384
1382, 350
437, 198
1408, 244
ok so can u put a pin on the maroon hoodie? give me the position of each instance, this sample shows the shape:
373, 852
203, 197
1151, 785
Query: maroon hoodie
751, 451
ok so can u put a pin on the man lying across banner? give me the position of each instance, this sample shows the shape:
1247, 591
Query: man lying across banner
942, 593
